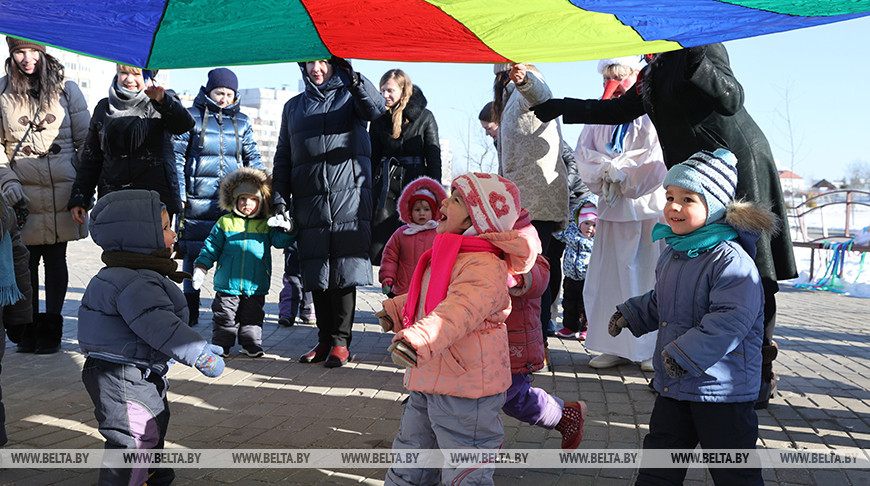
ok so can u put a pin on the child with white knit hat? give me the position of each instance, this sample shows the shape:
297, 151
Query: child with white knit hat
450, 331
708, 308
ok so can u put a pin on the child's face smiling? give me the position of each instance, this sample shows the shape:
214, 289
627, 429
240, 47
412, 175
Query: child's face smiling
587, 229
248, 204
169, 236
454, 215
421, 212
685, 210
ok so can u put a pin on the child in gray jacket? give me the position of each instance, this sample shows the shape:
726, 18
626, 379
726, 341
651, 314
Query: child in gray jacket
132, 325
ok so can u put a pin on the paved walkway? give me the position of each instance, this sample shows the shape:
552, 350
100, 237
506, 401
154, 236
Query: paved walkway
277, 402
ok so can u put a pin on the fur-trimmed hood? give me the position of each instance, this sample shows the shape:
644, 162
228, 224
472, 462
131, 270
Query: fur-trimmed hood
429, 184
254, 178
416, 104
751, 222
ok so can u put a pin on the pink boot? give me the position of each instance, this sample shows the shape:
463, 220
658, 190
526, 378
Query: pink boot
571, 425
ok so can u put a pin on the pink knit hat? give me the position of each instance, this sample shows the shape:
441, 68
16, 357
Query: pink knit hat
493, 202
586, 212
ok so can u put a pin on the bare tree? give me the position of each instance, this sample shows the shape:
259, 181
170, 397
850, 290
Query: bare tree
793, 143
858, 174
479, 152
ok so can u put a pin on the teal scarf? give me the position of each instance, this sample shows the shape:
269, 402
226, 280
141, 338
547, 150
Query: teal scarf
700, 240
9, 293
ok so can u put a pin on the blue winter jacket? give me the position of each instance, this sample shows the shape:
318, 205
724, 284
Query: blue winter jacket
242, 249
323, 166
129, 316
221, 141
709, 311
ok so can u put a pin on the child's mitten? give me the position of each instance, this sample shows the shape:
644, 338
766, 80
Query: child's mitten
402, 354
384, 320
199, 274
282, 222
387, 286
673, 369
209, 362
616, 324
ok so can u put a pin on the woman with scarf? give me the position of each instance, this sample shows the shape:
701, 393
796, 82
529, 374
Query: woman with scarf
129, 143
404, 147
43, 125
221, 142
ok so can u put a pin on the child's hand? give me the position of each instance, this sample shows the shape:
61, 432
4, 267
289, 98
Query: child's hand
209, 362
387, 286
616, 324
402, 354
384, 320
281, 221
673, 369
199, 274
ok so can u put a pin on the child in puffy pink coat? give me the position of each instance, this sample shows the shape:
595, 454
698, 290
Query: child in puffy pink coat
450, 330
418, 209
526, 345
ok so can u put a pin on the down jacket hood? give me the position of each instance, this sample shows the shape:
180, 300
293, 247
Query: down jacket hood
429, 184
751, 222
128, 220
253, 178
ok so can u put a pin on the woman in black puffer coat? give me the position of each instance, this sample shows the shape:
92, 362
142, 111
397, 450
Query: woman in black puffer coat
323, 170
221, 141
404, 147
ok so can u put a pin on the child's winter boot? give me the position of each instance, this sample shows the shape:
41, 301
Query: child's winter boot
571, 425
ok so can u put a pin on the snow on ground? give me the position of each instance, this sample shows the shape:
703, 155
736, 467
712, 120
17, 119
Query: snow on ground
856, 277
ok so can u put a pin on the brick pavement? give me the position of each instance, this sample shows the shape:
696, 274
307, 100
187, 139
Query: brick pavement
277, 402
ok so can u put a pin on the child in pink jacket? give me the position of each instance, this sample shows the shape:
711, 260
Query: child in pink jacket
418, 209
450, 330
526, 345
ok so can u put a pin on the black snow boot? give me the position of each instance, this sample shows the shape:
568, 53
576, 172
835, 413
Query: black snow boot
49, 330
23, 336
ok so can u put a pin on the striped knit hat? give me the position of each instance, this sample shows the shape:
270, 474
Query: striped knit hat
493, 202
713, 175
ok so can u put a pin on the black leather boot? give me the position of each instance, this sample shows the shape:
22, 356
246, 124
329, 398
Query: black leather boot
49, 330
193, 308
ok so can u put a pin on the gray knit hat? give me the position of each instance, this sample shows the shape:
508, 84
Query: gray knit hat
713, 175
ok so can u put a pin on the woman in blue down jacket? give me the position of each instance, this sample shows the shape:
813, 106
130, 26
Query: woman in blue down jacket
323, 167
221, 141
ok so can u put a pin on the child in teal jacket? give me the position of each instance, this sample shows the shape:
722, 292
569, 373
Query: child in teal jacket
240, 242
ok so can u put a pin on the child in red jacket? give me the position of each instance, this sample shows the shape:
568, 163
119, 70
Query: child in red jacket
418, 209
522, 401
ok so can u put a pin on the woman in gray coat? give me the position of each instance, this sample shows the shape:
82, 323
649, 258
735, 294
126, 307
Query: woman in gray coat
323, 172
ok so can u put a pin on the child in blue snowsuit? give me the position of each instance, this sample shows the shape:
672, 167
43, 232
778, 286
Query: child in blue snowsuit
708, 308
578, 248
240, 242
132, 323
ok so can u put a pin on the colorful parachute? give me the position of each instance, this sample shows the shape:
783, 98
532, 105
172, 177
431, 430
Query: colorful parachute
194, 33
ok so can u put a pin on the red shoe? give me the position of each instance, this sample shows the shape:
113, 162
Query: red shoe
565, 333
581, 336
316, 355
338, 356
571, 425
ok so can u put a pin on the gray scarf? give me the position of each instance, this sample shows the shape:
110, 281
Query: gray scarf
125, 102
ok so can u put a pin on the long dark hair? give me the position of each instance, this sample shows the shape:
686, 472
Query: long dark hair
498, 88
44, 85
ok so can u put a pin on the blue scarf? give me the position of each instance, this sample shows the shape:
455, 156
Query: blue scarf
615, 145
9, 293
696, 242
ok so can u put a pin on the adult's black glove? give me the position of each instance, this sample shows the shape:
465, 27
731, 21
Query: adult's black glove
343, 65
279, 208
550, 109
694, 56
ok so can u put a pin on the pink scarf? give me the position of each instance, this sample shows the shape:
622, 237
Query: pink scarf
442, 256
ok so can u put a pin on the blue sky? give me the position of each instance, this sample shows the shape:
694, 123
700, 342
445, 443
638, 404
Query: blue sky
817, 76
